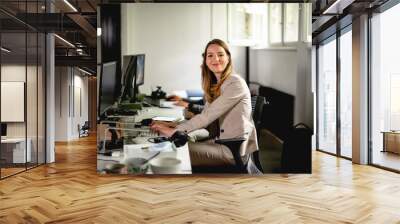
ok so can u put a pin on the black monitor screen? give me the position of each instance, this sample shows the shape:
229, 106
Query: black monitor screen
140, 70
108, 86
3, 129
133, 75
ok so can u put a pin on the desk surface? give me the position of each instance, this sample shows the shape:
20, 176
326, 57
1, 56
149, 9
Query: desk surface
134, 150
14, 140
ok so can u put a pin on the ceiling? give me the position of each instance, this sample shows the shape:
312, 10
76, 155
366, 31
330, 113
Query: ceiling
332, 15
72, 20
75, 21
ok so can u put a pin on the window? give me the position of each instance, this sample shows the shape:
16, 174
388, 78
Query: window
271, 24
246, 24
307, 34
291, 23
283, 24
385, 88
275, 23
394, 102
327, 97
346, 94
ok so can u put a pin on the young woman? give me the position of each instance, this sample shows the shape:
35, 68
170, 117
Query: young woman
227, 108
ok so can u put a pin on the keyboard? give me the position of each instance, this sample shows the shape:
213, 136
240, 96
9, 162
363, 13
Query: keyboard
147, 134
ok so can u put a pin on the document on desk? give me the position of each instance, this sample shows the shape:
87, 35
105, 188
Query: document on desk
138, 151
168, 104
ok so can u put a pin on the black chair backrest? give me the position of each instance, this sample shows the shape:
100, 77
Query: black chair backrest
257, 107
86, 125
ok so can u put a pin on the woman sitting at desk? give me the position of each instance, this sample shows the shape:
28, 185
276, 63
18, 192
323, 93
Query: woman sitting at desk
227, 107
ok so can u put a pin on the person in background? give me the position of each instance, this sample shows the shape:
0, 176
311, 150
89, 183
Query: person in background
227, 109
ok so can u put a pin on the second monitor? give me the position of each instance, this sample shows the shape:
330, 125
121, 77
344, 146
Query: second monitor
133, 76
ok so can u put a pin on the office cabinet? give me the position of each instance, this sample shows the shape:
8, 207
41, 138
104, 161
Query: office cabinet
13, 150
391, 142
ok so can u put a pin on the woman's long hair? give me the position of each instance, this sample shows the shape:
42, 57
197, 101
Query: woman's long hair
212, 88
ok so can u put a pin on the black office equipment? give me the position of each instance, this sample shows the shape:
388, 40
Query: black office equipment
133, 76
278, 113
296, 154
3, 129
108, 92
146, 122
158, 93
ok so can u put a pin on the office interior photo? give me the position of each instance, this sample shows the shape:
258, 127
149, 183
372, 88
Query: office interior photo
170, 60
52, 116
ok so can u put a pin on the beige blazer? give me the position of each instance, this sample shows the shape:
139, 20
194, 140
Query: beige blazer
233, 111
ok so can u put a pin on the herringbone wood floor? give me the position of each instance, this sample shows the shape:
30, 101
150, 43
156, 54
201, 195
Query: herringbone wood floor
70, 191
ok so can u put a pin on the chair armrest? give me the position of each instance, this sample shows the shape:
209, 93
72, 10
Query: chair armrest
233, 145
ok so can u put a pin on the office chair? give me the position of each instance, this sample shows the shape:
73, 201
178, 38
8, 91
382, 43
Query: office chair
234, 145
84, 130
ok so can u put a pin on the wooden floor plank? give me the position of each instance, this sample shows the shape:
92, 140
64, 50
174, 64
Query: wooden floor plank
70, 191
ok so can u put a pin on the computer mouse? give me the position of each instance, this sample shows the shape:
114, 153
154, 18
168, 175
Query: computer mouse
146, 122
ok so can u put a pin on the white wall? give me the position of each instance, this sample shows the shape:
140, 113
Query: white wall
67, 116
173, 37
17, 73
274, 68
33, 126
61, 103
289, 71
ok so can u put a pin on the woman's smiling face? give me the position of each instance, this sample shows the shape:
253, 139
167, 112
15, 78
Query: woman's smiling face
216, 58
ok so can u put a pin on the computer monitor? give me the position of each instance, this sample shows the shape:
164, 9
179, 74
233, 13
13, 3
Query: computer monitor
133, 76
108, 93
3, 129
139, 70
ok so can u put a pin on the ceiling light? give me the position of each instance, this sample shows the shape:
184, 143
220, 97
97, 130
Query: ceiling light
64, 40
5, 50
84, 71
70, 5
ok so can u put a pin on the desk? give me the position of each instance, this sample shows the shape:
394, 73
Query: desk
16, 147
181, 153
134, 149
391, 141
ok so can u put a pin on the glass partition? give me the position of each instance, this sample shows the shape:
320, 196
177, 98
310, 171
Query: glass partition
22, 89
15, 151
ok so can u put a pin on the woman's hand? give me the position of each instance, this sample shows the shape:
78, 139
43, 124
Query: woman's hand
163, 129
174, 98
182, 104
